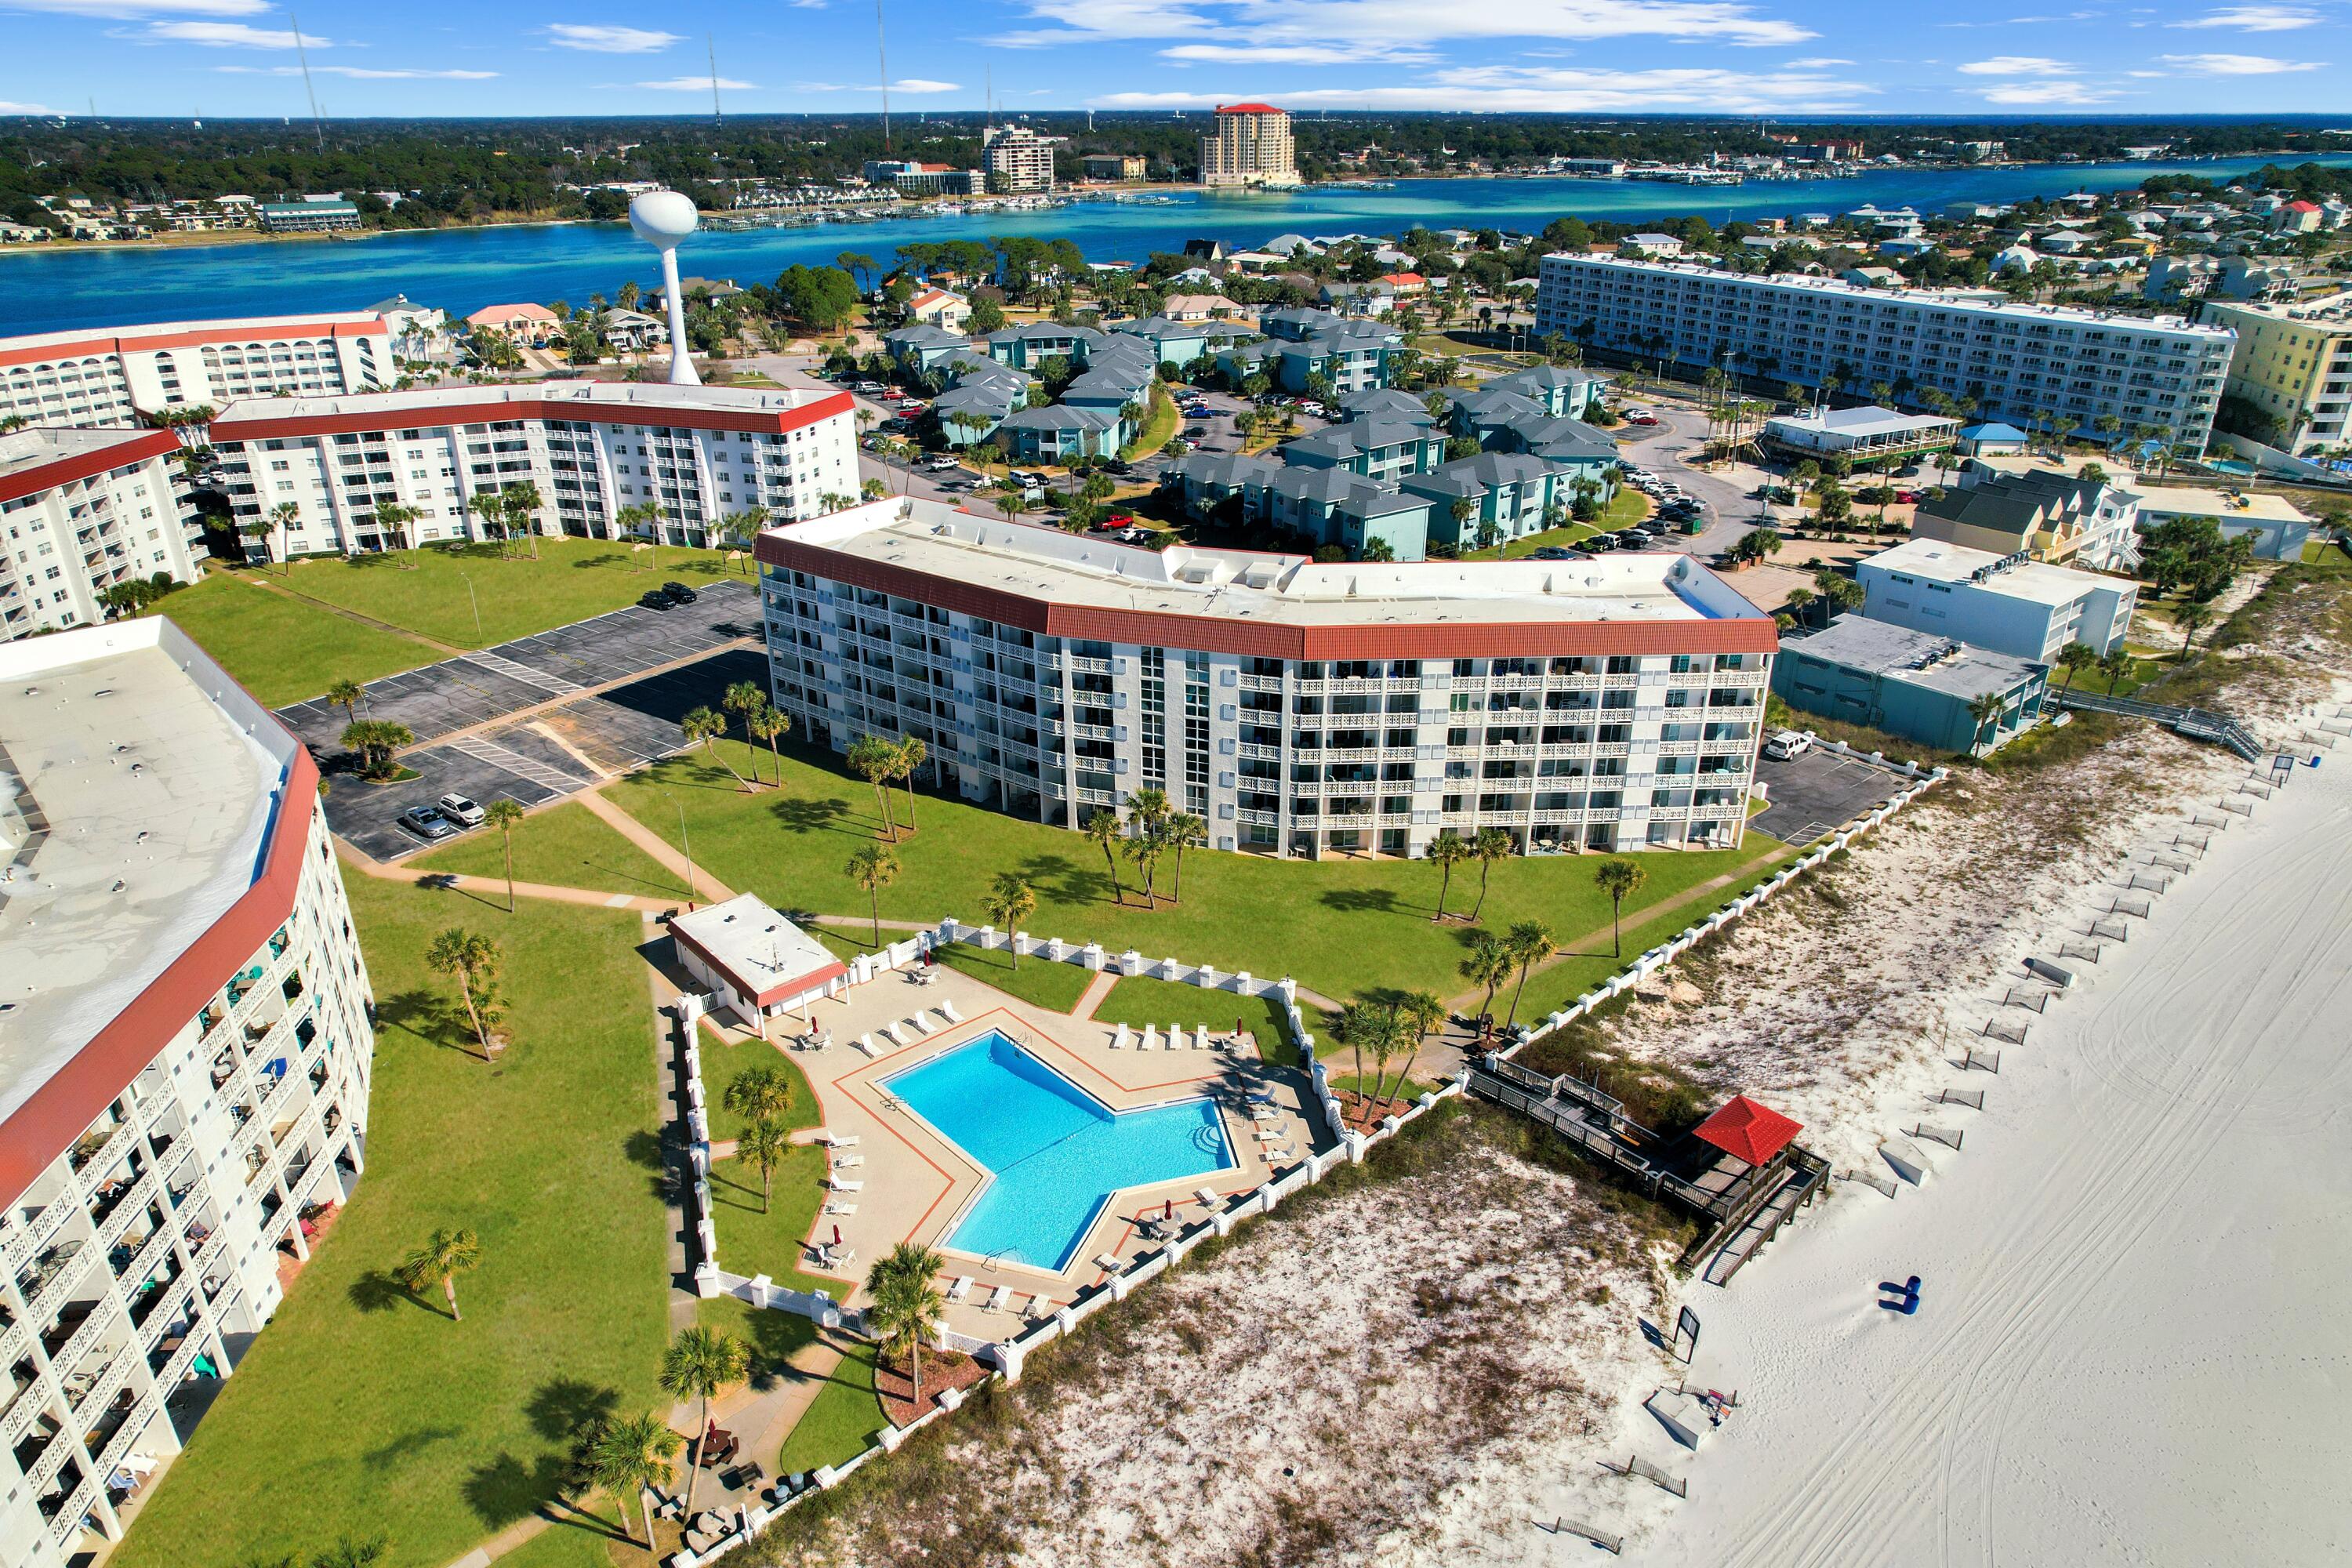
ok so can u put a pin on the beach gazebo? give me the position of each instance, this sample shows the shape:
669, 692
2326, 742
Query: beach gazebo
1754, 1134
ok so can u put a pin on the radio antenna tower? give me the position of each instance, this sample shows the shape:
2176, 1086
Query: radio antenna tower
882, 55
716, 117
317, 124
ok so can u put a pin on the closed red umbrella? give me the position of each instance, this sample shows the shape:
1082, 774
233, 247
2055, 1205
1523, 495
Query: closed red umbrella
836, 1236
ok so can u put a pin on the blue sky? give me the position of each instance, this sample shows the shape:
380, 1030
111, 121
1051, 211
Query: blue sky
224, 58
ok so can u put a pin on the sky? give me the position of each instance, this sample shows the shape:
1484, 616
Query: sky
238, 57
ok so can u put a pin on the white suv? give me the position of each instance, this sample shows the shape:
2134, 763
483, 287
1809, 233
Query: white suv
1782, 744
460, 810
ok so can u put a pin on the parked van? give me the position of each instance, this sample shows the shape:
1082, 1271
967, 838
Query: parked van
1782, 744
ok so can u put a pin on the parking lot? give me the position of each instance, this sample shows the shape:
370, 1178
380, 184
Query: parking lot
455, 708
1817, 791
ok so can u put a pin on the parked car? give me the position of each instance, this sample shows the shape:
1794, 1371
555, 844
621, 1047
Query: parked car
428, 823
679, 593
941, 464
1554, 552
460, 810
1602, 543
654, 599
1782, 744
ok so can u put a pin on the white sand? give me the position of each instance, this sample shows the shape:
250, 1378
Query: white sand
2131, 1343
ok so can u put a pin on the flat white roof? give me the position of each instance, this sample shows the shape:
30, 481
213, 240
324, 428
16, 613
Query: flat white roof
2188, 501
35, 445
225, 330
134, 806
594, 396
1040, 563
760, 948
2036, 580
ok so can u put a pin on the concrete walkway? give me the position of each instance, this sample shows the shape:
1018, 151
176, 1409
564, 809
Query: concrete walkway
1097, 991
706, 887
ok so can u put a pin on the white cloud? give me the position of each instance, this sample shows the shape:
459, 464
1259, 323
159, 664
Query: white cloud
7, 108
222, 35
361, 73
2255, 20
2052, 93
689, 84
2016, 64
911, 85
2238, 65
131, 10
1818, 62
1524, 89
603, 40
1299, 54
1316, 23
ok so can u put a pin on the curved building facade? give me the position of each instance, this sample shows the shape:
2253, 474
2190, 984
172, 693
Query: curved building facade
186, 1047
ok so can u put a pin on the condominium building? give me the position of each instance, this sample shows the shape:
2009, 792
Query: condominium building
2293, 365
185, 1050
113, 376
1017, 159
698, 455
1298, 709
82, 509
2029, 364
2009, 604
1250, 146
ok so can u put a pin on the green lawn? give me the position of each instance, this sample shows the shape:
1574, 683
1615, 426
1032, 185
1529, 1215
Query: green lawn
566, 846
1039, 982
1339, 926
1138, 1001
572, 580
282, 649
361, 1412
723, 1061
840, 1422
751, 1242
1158, 424
1626, 508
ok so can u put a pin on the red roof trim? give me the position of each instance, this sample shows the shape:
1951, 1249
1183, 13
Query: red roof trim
794, 987
1212, 634
58, 1111
352, 421
226, 333
1749, 1131
135, 447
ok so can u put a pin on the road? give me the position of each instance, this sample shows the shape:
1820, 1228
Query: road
1730, 511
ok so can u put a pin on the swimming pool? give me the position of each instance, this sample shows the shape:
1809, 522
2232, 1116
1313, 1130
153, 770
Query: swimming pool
1055, 1154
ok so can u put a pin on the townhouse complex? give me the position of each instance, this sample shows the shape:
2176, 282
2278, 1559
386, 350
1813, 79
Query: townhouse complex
2294, 366
2047, 514
82, 509
1298, 709
1252, 145
2028, 365
185, 1045
112, 377
697, 455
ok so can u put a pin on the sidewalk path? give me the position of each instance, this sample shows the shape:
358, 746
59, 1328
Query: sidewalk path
1098, 990
706, 887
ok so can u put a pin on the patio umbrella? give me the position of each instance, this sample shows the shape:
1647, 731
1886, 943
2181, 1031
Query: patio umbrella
836, 1236
1169, 1212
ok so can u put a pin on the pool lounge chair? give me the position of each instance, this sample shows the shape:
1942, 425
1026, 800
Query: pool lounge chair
1201, 1040
843, 1184
898, 1032
1273, 1154
841, 1208
1209, 1199
1150, 1036
947, 1011
923, 1023
997, 1297
836, 1139
866, 1043
1119, 1041
1108, 1262
961, 1288
1175, 1037
848, 1161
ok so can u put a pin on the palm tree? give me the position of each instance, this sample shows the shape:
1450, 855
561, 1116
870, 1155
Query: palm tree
1799, 600
764, 1142
629, 1456
647, 515
1392, 1038
282, 517
871, 869
872, 758
444, 1255
759, 1092
1447, 851
472, 960
1983, 708
347, 694
740, 530
699, 1364
770, 724
2115, 664
375, 740
1488, 963
1144, 848
1619, 879
1491, 845
2189, 618
522, 504
503, 814
1527, 941
1103, 826
743, 698
906, 757
904, 1304
702, 727
2075, 658
1355, 1026
1183, 827
1010, 902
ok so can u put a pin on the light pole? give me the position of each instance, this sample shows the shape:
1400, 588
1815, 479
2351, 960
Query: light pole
688, 843
474, 600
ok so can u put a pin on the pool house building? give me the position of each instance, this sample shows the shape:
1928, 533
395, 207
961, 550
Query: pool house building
1297, 707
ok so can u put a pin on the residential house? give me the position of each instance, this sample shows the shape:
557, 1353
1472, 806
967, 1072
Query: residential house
1059, 432
1511, 495
1567, 392
524, 325
2041, 513
1029, 344
2277, 527
938, 308
1200, 307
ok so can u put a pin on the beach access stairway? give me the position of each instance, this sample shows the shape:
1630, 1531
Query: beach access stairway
2196, 723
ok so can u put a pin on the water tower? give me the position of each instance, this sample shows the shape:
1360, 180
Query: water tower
663, 219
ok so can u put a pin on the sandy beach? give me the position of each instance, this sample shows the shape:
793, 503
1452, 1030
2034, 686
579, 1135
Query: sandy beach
2130, 1334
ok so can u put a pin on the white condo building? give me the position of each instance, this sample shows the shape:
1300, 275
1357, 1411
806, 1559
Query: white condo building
185, 1050
110, 377
82, 509
2023, 364
699, 454
1298, 709
1017, 159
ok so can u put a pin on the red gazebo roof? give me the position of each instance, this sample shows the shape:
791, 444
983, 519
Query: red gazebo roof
1752, 1132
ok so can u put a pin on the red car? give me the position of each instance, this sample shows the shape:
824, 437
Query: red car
1906, 497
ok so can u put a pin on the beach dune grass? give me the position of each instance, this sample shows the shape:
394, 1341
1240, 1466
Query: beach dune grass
363, 1412
1334, 925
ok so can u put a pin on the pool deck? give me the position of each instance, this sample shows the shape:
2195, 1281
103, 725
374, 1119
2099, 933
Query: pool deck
916, 1185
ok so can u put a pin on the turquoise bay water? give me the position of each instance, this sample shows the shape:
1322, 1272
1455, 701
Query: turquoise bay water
45, 289
1056, 1153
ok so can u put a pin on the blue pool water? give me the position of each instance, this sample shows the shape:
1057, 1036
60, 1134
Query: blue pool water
1056, 1152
